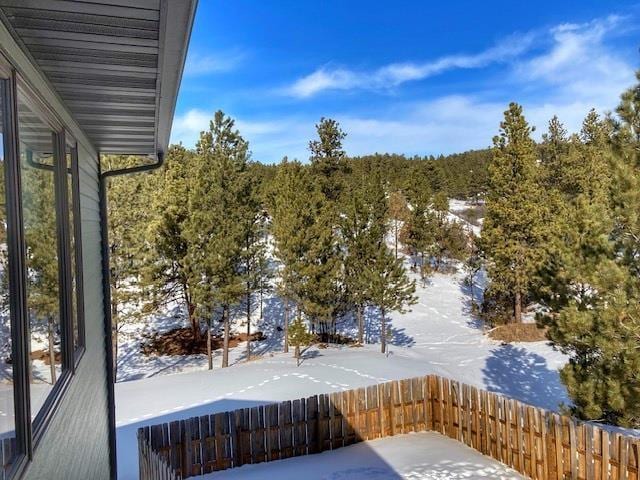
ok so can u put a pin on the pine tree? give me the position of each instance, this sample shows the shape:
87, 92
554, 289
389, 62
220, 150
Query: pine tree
168, 271
627, 125
220, 203
582, 220
418, 184
328, 160
254, 254
363, 227
419, 234
553, 152
322, 295
299, 336
513, 234
322, 298
128, 216
398, 212
390, 289
295, 202
595, 317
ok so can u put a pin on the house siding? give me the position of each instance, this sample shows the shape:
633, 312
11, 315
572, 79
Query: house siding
75, 445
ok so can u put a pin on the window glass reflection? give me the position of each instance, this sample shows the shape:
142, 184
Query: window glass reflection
37, 145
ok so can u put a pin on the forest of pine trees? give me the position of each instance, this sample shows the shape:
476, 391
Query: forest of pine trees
560, 239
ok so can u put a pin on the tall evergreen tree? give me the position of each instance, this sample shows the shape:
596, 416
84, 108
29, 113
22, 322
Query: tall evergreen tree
513, 233
322, 288
363, 227
595, 317
168, 271
322, 297
294, 205
221, 201
128, 216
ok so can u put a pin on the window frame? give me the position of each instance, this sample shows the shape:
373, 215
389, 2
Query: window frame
17, 282
78, 350
30, 430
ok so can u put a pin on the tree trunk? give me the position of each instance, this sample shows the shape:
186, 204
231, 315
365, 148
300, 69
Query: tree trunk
383, 331
359, 316
193, 320
286, 325
261, 298
395, 235
225, 343
517, 308
52, 353
209, 351
248, 324
296, 353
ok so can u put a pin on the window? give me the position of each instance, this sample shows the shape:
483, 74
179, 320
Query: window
41, 299
40, 223
8, 448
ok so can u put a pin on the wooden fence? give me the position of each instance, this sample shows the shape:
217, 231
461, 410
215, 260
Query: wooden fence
534, 442
153, 466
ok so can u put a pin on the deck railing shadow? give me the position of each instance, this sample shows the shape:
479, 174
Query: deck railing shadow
536, 443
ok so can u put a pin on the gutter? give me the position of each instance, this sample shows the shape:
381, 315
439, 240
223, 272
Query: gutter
106, 295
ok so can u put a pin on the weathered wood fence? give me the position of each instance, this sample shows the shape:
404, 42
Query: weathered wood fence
536, 443
152, 464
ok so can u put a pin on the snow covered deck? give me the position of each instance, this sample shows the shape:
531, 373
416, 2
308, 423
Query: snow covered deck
414, 456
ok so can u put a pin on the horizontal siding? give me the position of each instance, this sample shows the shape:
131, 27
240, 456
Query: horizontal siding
75, 446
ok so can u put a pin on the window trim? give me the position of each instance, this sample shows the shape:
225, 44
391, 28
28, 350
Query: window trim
78, 351
30, 431
17, 282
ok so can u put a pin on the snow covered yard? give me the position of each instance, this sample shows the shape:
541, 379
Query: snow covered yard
413, 456
438, 336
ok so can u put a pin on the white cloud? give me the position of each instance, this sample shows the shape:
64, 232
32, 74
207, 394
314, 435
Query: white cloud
444, 125
573, 70
221, 62
273, 139
578, 64
186, 127
392, 75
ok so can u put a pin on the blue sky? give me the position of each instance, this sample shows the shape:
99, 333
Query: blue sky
412, 77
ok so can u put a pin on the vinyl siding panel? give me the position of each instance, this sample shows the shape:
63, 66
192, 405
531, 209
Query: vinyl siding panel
75, 446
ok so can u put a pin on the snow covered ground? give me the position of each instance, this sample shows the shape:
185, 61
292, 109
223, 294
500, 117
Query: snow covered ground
427, 455
438, 336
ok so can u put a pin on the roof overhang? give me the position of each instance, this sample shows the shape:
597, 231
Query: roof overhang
116, 67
